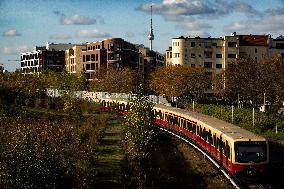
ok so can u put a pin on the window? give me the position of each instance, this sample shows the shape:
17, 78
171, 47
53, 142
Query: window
207, 64
96, 57
93, 67
218, 55
232, 56
232, 44
110, 47
110, 56
88, 67
219, 66
208, 54
88, 58
176, 55
255, 50
200, 56
193, 65
192, 44
84, 58
192, 55
208, 44
93, 57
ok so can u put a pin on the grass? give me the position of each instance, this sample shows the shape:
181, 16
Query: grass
111, 166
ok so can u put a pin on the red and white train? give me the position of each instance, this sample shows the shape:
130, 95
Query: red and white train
236, 149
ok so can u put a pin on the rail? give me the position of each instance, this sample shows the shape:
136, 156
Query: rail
231, 179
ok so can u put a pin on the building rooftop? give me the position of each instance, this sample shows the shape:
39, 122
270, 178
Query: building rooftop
198, 37
253, 40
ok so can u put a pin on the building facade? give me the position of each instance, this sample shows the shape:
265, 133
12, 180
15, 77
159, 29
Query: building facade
149, 60
214, 54
109, 53
74, 59
50, 57
2, 70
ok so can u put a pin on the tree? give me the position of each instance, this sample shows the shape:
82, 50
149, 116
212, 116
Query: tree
272, 79
242, 79
117, 81
248, 80
139, 131
180, 81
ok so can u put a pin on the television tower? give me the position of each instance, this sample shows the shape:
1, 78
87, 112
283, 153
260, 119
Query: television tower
151, 35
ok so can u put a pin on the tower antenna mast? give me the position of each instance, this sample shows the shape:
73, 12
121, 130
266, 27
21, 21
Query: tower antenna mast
151, 35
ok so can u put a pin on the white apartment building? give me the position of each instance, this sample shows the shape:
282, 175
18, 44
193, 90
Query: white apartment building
214, 54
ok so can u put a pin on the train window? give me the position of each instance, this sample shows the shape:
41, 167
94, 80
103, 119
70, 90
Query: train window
176, 120
161, 115
184, 125
220, 145
227, 151
250, 151
194, 129
197, 130
190, 126
181, 122
217, 143
204, 134
210, 137
166, 117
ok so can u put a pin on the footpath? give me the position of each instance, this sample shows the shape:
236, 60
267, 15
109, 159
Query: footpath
111, 164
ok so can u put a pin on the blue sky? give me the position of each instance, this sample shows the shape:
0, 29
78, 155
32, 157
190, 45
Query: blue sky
28, 23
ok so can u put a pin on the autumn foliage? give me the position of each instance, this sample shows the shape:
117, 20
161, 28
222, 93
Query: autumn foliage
180, 81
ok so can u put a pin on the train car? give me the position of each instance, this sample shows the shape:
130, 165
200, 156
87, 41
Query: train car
114, 104
237, 150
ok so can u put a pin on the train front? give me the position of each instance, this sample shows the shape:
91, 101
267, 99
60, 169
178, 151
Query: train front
251, 158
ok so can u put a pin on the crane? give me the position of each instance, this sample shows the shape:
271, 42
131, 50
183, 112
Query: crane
14, 60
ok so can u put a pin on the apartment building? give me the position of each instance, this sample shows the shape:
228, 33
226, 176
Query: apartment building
2, 70
74, 59
214, 54
49, 57
168, 56
150, 60
109, 53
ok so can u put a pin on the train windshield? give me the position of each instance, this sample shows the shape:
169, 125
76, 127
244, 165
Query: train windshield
250, 151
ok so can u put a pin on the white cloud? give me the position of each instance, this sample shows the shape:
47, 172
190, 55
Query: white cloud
92, 33
195, 15
60, 37
266, 25
11, 33
15, 50
77, 20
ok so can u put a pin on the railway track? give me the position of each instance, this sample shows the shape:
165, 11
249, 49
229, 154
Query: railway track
231, 179
235, 181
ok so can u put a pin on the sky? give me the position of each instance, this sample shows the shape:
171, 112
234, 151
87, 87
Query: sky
25, 24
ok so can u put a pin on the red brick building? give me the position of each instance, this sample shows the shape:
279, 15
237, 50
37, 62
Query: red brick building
113, 52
